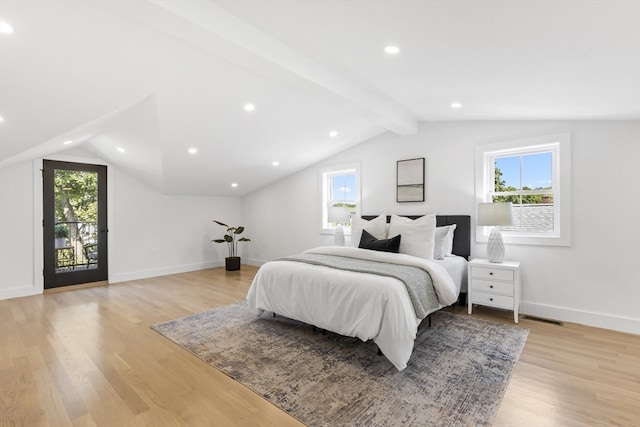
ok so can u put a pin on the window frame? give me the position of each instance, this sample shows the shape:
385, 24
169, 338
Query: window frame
560, 147
325, 177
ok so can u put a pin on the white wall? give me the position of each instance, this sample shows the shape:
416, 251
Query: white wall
150, 234
596, 281
17, 256
154, 234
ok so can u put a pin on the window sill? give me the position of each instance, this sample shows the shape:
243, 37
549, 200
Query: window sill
527, 240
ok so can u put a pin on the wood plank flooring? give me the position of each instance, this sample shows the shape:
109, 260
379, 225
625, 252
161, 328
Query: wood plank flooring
87, 357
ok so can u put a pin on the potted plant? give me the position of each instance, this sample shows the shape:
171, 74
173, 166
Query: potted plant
232, 262
61, 232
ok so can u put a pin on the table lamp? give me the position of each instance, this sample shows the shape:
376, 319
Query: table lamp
495, 214
338, 215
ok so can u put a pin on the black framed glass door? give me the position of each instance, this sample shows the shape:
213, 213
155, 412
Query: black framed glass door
74, 223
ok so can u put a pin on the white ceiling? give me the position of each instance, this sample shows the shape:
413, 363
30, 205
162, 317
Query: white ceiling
158, 77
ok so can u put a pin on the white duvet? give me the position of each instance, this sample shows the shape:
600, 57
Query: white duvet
360, 305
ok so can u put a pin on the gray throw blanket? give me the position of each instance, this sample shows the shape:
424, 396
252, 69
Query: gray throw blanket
417, 281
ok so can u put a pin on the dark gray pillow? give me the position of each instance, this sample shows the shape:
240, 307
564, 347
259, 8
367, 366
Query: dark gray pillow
367, 241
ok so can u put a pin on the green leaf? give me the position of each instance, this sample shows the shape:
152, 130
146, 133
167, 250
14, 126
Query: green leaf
219, 241
239, 230
228, 238
220, 223
244, 239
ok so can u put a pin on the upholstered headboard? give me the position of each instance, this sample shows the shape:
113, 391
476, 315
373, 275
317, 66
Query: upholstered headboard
461, 237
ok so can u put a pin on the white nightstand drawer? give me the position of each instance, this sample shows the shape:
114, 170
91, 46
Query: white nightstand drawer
494, 300
492, 273
491, 286
495, 285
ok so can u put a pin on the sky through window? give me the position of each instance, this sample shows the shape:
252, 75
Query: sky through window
536, 170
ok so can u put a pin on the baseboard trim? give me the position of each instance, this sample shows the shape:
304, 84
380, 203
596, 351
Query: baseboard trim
146, 274
27, 291
598, 320
254, 262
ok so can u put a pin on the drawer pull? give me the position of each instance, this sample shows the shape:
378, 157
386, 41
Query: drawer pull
491, 273
490, 299
491, 286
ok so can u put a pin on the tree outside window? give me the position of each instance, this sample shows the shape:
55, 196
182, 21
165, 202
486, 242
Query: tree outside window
76, 208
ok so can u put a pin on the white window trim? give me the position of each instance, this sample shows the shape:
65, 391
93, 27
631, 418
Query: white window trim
561, 175
324, 190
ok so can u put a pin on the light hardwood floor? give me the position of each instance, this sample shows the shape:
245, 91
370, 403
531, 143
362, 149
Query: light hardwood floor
87, 357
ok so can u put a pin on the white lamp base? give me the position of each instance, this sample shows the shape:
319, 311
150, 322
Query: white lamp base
495, 246
338, 237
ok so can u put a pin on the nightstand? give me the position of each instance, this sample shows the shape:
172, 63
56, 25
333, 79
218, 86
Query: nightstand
494, 285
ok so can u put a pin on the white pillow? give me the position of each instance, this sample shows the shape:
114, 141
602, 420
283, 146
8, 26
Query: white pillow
443, 241
448, 247
377, 227
417, 235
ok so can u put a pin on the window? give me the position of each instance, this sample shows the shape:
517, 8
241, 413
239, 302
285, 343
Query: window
526, 180
340, 189
533, 174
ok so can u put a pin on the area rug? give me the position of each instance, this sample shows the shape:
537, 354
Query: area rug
457, 374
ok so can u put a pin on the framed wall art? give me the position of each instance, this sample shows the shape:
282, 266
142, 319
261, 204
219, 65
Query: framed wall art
410, 180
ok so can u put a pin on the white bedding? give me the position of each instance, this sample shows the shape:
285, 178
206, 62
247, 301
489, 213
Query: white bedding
457, 268
360, 305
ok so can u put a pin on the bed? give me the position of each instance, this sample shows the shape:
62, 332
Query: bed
370, 298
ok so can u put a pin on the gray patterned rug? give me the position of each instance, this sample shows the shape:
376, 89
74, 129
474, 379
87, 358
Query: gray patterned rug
457, 375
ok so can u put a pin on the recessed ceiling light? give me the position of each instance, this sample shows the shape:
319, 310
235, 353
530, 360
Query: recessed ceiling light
120, 149
333, 134
249, 107
276, 163
456, 105
1, 119
234, 184
5, 28
67, 142
392, 50
193, 150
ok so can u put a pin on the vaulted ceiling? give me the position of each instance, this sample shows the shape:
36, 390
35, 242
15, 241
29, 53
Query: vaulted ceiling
138, 83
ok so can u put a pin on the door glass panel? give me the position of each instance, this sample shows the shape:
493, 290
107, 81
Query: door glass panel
76, 219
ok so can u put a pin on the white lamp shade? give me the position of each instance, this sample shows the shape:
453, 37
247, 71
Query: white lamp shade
338, 214
495, 213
